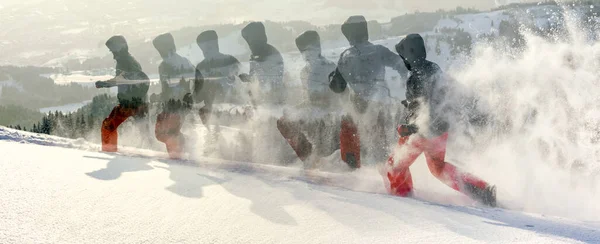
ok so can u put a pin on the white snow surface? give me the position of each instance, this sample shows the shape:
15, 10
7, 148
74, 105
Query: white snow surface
57, 190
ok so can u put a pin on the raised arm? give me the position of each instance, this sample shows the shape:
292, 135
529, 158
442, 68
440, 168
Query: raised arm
394, 61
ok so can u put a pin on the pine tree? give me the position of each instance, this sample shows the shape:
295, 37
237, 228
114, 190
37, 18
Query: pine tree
46, 126
82, 126
90, 122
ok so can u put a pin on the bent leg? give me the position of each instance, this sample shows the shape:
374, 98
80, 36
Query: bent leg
398, 165
454, 177
109, 127
295, 138
350, 142
168, 131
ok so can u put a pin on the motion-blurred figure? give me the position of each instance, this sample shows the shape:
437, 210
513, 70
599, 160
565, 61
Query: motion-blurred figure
219, 71
266, 65
362, 68
132, 85
175, 74
314, 77
426, 129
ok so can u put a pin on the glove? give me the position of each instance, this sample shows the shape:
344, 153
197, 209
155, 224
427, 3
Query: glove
103, 84
154, 98
407, 130
188, 100
245, 77
405, 103
336, 82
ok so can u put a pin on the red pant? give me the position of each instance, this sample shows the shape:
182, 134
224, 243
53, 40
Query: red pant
109, 132
295, 138
350, 142
168, 131
435, 152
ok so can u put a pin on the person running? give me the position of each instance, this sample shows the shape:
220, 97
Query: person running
266, 65
132, 84
425, 129
314, 77
361, 68
175, 73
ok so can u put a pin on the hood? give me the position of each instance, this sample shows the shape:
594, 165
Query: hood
308, 39
208, 41
117, 44
165, 44
355, 29
254, 33
412, 49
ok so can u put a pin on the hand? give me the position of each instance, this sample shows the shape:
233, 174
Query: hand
102, 84
407, 130
188, 100
336, 82
244, 77
405, 103
154, 98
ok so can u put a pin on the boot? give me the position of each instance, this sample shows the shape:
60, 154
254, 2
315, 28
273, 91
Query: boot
485, 195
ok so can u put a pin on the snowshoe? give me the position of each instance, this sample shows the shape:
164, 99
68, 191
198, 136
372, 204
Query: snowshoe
485, 195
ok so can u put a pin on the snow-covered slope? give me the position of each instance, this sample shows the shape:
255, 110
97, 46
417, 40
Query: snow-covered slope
62, 191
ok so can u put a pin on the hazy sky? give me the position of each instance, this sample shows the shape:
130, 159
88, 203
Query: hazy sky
318, 11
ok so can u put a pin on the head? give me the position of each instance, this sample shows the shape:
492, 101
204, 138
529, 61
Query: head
412, 49
117, 46
355, 30
208, 42
165, 45
309, 45
255, 35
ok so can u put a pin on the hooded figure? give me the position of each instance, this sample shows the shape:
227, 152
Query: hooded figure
133, 85
315, 74
266, 63
127, 69
218, 70
362, 68
425, 95
175, 74
175, 71
424, 86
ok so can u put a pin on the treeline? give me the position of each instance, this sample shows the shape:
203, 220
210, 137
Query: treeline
73, 125
14, 114
32, 90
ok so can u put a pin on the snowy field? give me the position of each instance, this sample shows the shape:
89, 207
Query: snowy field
77, 77
63, 191
68, 108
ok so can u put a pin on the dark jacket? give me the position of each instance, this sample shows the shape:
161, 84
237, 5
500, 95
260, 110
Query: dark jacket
362, 66
425, 85
217, 75
175, 71
130, 69
314, 75
266, 63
